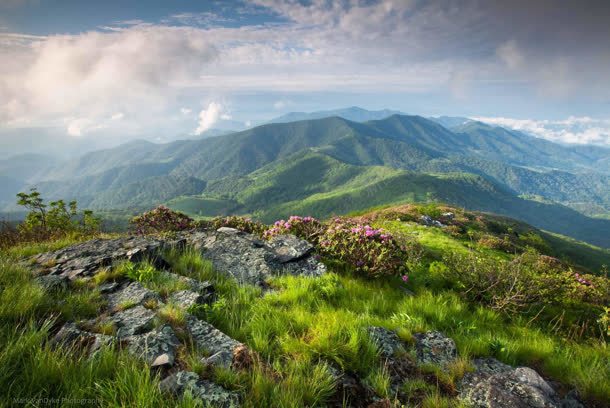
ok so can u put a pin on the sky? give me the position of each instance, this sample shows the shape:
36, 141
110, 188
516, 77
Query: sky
77, 73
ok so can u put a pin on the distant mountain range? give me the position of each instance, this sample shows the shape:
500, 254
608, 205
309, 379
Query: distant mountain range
354, 113
333, 165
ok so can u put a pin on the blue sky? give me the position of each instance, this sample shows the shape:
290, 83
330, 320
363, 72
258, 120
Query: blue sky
116, 70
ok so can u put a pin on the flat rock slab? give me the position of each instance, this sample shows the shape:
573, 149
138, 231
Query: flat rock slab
210, 394
187, 298
136, 320
85, 259
71, 336
497, 385
249, 259
131, 293
157, 348
434, 348
221, 348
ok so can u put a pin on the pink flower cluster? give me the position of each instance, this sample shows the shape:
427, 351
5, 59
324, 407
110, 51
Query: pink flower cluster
161, 219
582, 280
301, 224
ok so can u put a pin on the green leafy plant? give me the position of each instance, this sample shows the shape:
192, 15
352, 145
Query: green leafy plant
141, 272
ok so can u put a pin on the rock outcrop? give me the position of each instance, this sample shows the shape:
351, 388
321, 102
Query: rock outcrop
497, 385
130, 315
243, 256
211, 394
249, 259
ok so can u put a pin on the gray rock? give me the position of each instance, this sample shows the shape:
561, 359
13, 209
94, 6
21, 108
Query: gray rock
86, 258
497, 385
52, 283
71, 336
431, 222
434, 348
204, 288
187, 298
108, 287
388, 342
133, 293
211, 394
289, 248
132, 321
218, 345
157, 348
248, 259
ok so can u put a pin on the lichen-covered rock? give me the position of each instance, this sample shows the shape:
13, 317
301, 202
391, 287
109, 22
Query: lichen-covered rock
187, 298
132, 293
204, 288
249, 259
497, 385
52, 283
157, 348
289, 248
211, 394
71, 336
434, 348
387, 341
220, 347
85, 259
135, 320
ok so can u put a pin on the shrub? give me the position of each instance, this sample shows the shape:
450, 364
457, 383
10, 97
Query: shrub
531, 284
159, 220
493, 242
240, 223
371, 251
307, 228
47, 221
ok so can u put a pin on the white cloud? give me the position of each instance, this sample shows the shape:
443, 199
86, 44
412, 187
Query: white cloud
510, 53
144, 70
209, 116
279, 105
81, 126
573, 130
117, 116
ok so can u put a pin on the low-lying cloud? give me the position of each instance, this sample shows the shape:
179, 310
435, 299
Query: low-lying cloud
573, 130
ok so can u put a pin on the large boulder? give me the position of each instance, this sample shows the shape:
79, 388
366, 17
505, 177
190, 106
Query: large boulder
249, 259
496, 385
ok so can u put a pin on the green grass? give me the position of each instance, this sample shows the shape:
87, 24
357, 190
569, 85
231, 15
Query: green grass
302, 321
298, 331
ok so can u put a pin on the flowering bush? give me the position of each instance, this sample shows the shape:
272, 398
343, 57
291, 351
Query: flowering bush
369, 250
161, 219
239, 223
307, 228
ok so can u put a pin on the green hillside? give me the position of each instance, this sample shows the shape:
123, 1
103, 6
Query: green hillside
332, 165
313, 183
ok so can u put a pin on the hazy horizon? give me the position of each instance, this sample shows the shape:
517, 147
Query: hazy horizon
82, 75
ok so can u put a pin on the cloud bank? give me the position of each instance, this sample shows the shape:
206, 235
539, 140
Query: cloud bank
151, 71
574, 130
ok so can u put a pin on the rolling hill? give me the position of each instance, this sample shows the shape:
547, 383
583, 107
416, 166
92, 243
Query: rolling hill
331, 165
